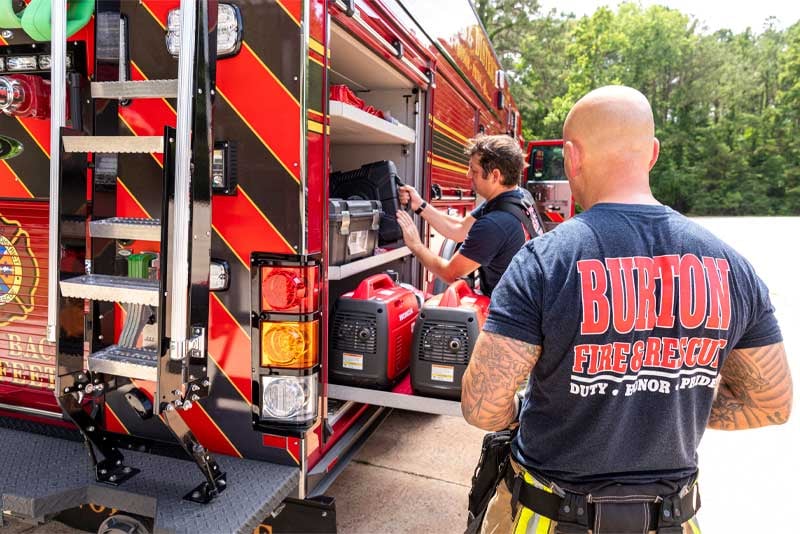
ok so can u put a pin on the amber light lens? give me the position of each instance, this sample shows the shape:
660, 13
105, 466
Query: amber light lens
289, 345
290, 289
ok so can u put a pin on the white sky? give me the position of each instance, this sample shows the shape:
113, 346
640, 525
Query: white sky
735, 15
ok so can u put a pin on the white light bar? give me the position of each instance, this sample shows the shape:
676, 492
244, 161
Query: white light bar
229, 31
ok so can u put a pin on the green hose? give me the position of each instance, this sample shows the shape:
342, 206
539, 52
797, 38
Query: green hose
35, 19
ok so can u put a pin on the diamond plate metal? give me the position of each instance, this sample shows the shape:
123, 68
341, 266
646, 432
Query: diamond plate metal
122, 361
114, 144
127, 228
135, 89
45, 475
111, 289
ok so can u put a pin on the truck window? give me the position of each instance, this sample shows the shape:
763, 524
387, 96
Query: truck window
546, 164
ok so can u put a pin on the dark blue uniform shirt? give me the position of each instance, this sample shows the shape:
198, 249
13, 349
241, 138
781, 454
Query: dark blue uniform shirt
636, 308
493, 240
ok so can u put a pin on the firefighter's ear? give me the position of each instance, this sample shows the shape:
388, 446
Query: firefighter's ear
656, 149
573, 159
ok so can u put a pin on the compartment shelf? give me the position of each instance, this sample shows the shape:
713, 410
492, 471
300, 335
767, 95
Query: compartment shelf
350, 125
401, 397
340, 272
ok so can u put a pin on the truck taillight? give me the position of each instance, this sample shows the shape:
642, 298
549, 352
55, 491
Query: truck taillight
25, 95
289, 344
290, 289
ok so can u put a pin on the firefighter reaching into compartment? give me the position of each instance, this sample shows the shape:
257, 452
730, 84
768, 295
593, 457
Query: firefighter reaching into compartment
494, 231
637, 329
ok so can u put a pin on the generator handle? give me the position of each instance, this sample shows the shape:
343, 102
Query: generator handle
369, 286
454, 293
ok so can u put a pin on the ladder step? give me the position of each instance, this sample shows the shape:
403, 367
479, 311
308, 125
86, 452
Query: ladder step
135, 89
114, 144
112, 289
140, 364
127, 228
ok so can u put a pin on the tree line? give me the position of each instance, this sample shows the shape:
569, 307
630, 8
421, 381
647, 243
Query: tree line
726, 105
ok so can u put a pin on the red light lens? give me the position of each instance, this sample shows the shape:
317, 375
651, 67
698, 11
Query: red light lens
25, 95
290, 289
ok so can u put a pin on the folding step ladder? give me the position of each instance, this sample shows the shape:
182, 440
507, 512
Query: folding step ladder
176, 301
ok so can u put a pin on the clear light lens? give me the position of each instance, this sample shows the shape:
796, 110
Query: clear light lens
20, 63
174, 43
44, 61
228, 32
219, 277
218, 168
174, 20
289, 399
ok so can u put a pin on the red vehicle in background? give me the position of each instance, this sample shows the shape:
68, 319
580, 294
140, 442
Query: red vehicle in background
547, 182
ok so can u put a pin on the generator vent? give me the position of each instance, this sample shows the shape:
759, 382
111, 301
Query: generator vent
354, 332
444, 342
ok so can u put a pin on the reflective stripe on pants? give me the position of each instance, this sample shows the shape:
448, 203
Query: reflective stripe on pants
498, 519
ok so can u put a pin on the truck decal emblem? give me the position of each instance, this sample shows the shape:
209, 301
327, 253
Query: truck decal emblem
19, 272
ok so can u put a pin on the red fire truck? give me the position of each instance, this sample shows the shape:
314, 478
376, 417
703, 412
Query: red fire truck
547, 182
166, 286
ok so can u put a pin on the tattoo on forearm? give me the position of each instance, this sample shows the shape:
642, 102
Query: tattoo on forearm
497, 368
755, 389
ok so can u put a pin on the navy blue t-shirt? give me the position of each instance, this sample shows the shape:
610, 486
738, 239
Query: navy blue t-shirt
636, 308
493, 240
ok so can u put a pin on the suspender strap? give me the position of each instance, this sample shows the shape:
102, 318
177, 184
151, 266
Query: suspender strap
517, 210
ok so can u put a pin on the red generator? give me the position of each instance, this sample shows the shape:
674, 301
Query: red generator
444, 336
371, 336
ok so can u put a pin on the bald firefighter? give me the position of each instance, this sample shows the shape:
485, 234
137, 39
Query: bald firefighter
637, 330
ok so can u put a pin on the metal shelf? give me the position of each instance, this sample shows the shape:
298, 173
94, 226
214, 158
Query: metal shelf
129, 362
401, 398
352, 126
126, 228
340, 272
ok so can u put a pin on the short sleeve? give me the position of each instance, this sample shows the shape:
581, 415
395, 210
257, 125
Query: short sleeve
762, 328
483, 242
516, 310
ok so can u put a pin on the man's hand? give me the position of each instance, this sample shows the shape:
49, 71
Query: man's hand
408, 194
410, 232
497, 367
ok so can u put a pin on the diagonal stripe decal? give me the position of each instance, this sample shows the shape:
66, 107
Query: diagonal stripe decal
292, 8
229, 347
10, 184
238, 219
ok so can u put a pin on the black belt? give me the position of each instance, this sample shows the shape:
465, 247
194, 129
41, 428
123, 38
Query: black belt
665, 516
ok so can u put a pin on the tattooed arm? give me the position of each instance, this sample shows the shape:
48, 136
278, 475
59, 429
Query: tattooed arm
755, 389
497, 367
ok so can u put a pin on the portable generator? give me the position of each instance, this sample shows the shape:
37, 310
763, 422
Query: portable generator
444, 336
370, 341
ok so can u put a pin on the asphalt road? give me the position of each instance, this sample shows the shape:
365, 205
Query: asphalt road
413, 475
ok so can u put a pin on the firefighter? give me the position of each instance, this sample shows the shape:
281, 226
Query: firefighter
637, 329
493, 232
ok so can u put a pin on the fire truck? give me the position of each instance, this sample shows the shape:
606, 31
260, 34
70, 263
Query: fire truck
547, 182
166, 283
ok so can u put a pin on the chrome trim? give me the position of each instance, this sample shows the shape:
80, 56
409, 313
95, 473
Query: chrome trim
340, 272
305, 32
31, 411
179, 262
58, 96
395, 400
